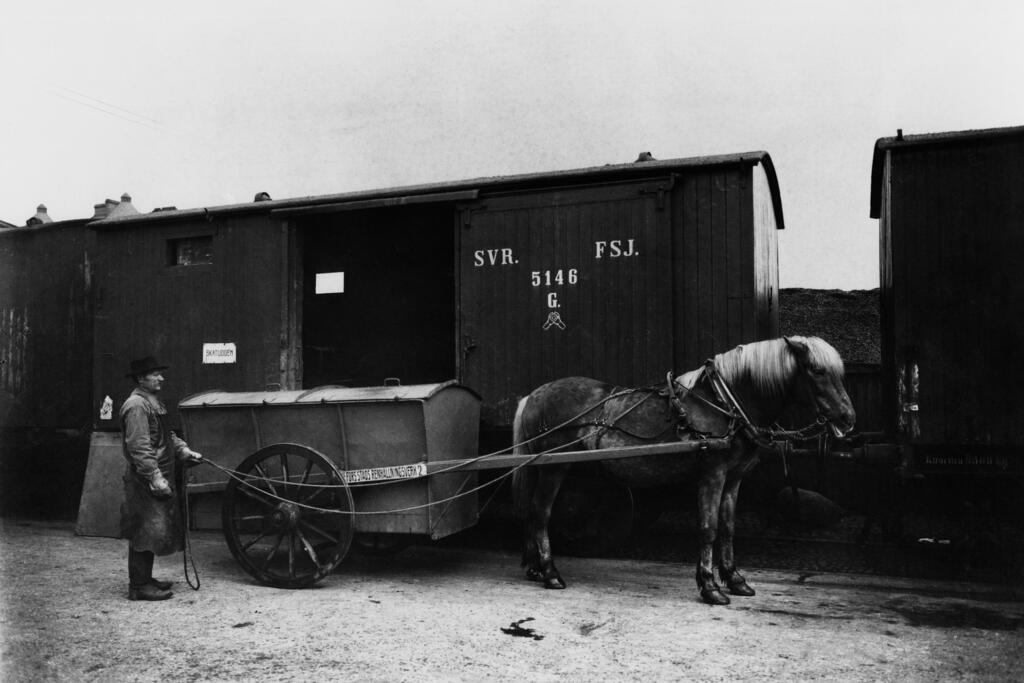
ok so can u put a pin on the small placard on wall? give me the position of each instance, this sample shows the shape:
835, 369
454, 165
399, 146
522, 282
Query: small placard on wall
219, 353
330, 283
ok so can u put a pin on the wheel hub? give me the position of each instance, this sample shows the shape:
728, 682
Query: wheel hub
284, 516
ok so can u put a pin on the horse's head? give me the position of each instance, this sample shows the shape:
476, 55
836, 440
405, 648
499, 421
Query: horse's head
819, 381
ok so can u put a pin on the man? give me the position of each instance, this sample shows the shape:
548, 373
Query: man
150, 518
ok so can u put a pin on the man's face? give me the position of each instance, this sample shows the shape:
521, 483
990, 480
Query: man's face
152, 382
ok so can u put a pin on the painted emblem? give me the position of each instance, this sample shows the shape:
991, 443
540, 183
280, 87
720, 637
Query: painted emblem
554, 320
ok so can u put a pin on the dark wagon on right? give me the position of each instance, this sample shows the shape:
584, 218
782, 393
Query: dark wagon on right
951, 226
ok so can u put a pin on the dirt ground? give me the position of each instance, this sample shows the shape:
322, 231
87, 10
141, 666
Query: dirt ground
433, 613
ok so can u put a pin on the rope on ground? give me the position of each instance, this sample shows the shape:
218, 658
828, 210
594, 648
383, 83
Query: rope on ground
187, 556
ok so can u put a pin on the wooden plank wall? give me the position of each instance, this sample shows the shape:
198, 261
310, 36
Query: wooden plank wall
717, 270
957, 233
46, 279
864, 385
617, 314
706, 281
149, 307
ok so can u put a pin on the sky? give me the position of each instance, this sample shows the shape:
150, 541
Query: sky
193, 104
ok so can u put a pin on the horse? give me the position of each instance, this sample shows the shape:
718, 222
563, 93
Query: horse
735, 396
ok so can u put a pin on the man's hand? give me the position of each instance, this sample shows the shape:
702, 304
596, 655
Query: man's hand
192, 458
158, 486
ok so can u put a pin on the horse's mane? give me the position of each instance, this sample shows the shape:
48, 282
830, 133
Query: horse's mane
769, 365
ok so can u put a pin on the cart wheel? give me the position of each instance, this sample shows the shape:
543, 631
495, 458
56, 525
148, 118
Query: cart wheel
285, 521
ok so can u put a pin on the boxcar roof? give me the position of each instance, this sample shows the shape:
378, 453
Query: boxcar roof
929, 139
408, 194
26, 229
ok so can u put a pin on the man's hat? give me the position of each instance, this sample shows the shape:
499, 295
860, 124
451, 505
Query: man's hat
144, 366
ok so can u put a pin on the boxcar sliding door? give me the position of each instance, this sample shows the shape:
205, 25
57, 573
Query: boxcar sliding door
565, 282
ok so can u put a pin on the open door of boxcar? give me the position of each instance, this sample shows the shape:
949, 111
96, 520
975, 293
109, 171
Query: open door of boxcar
378, 288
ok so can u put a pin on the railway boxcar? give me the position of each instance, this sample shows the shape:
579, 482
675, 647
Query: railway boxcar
951, 219
46, 274
620, 272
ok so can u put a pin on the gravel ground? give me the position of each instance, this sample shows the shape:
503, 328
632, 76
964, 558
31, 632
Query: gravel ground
437, 613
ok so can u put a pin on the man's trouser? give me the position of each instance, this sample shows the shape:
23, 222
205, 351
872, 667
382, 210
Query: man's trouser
140, 567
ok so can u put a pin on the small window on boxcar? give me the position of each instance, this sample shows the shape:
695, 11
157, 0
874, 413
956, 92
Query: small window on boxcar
330, 283
190, 251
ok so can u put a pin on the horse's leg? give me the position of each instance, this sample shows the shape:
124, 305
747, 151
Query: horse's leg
709, 496
726, 526
524, 484
541, 566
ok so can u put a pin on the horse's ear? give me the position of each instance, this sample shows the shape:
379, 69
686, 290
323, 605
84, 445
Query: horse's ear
797, 347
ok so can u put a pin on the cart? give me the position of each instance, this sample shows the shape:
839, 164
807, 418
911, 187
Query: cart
303, 472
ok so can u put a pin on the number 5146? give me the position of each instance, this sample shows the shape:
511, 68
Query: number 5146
554, 277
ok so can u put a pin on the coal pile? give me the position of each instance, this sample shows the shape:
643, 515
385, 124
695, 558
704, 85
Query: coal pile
848, 320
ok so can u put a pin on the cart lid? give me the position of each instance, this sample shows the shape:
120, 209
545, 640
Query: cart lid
238, 398
326, 394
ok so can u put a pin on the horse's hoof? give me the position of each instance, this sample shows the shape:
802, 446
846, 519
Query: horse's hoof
741, 587
554, 582
736, 583
714, 596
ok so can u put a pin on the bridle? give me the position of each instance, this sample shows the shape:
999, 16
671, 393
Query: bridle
730, 406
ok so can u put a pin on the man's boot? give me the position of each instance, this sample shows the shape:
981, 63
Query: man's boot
147, 592
141, 584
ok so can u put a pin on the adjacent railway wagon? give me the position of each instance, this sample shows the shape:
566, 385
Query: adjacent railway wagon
45, 325
46, 333
951, 222
620, 272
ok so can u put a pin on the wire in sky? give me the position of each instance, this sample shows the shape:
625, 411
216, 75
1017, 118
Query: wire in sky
109, 109
107, 104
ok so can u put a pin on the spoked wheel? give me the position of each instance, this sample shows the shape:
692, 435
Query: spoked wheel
285, 516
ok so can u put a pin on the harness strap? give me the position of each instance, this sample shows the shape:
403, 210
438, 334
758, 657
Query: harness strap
674, 397
762, 436
604, 425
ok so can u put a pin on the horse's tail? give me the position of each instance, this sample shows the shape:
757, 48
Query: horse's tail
524, 479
